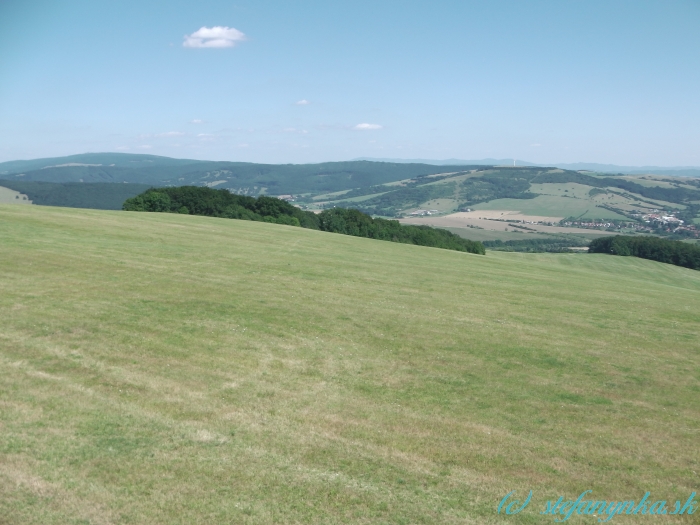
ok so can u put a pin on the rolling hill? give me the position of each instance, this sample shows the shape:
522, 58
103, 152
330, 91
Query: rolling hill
562, 202
673, 171
531, 190
98, 195
173, 369
241, 177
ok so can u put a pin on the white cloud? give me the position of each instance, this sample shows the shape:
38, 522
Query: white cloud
365, 126
196, 121
146, 146
217, 36
295, 130
122, 148
535, 145
303, 102
170, 134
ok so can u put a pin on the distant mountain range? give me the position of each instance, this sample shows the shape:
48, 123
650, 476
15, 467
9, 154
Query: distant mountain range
679, 171
453, 162
240, 177
106, 180
273, 179
121, 160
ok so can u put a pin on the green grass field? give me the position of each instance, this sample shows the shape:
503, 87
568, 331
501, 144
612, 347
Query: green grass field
171, 369
551, 206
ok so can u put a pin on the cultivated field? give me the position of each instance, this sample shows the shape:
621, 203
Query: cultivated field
170, 369
8, 196
495, 221
551, 205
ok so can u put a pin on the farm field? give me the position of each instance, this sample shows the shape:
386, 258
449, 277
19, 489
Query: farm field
170, 369
477, 234
493, 221
8, 196
551, 205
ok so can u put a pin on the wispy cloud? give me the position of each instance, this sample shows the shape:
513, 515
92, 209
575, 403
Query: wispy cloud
295, 130
303, 102
535, 145
145, 136
365, 126
214, 37
196, 121
145, 146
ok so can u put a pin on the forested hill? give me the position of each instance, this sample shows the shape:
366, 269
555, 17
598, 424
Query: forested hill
101, 196
653, 248
239, 177
192, 200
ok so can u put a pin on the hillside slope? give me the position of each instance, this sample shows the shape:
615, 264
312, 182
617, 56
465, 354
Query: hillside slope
169, 369
241, 177
99, 195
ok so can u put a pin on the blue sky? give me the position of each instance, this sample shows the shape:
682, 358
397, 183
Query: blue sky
608, 81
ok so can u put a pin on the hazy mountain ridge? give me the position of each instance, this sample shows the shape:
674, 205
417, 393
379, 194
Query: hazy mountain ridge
681, 171
124, 160
378, 188
240, 177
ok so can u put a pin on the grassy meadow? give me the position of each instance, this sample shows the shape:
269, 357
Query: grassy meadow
170, 369
551, 206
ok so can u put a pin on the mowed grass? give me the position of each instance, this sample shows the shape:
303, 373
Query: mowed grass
172, 369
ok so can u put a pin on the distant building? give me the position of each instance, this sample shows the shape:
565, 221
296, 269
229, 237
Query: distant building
420, 213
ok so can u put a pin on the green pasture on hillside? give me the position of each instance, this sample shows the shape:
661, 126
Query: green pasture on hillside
551, 206
170, 369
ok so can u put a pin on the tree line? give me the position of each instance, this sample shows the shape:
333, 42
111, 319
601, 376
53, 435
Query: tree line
550, 245
358, 224
195, 200
653, 248
97, 195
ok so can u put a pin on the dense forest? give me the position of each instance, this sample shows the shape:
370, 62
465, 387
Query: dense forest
195, 200
654, 248
101, 196
498, 184
354, 222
